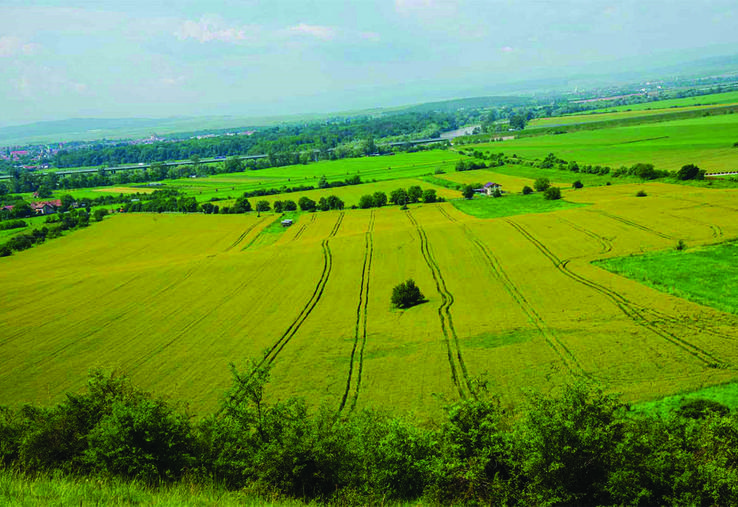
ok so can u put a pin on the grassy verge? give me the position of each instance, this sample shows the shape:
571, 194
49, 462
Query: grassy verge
708, 276
509, 205
57, 489
727, 394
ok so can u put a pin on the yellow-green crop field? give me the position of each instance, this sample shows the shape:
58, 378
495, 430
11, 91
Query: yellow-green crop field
172, 299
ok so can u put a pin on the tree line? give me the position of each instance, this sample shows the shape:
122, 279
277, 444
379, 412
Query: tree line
577, 447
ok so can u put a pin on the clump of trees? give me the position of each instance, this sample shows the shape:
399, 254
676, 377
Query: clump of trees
552, 193
406, 294
541, 184
690, 172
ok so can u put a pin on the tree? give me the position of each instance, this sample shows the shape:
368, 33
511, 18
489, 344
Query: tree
467, 191
398, 196
366, 201
334, 202
99, 213
429, 195
527, 190
44, 192
552, 193
690, 172
517, 121
577, 184
323, 204
407, 294
242, 205
278, 206
289, 205
414, 193
233, 165
380, 199
262, 206
306, 204
541, 184
323, 182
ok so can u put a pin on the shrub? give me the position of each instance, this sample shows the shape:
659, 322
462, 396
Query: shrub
552, 193
681, 245
407, 294
641, 193
701, 408
527, 190
541, 184
577, 184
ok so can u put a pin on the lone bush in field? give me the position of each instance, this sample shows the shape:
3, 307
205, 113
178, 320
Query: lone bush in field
641, 193
552, 193
407, 294
577, 184
541, 184
527, 190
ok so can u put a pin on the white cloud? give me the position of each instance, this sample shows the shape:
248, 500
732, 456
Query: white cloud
507, 49
426, 7
13, 46
317, 31
208, 29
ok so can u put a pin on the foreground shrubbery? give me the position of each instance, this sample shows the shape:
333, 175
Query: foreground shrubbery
580, 448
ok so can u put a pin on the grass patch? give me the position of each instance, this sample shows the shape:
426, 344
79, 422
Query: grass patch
727, 394
509, 205
276, 226
707, 276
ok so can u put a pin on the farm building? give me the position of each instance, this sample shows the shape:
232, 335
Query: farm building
46, 207
286, 222
489, 188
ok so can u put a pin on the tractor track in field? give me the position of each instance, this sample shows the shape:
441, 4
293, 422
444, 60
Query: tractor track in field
273, 351
717, 231
632, 310
299, 232
549, 335
451, 339
245, 233
360, 330
605, 243
632, 224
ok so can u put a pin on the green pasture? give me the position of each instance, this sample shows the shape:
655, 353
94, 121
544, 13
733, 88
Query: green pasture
708, 275
712, 99
705, 141
510, 205
727, 394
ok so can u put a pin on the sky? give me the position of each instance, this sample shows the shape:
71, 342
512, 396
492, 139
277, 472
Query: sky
135, 58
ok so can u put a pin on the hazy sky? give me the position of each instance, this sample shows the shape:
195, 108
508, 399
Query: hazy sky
135, 58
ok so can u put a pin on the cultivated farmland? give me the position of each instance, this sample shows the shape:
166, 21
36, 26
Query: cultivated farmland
173, 299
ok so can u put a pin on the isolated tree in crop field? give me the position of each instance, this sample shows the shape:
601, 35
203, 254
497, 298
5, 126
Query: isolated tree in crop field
262, 206
541, 184
527, 190
467, 191
552, 193
407, 294
577, 184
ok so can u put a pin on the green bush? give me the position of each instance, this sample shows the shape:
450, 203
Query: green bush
406, 294
552, 193
527, 190
541, 184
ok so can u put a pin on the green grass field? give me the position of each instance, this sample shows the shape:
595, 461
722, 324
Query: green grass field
706, 275
706, 142
510, 205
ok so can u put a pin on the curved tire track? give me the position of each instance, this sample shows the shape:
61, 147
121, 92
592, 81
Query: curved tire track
444, 315
630, 309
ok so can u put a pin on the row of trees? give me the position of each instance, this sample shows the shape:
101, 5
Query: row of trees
580, 447
56, 225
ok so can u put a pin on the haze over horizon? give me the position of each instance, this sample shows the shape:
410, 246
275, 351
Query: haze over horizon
108, 59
